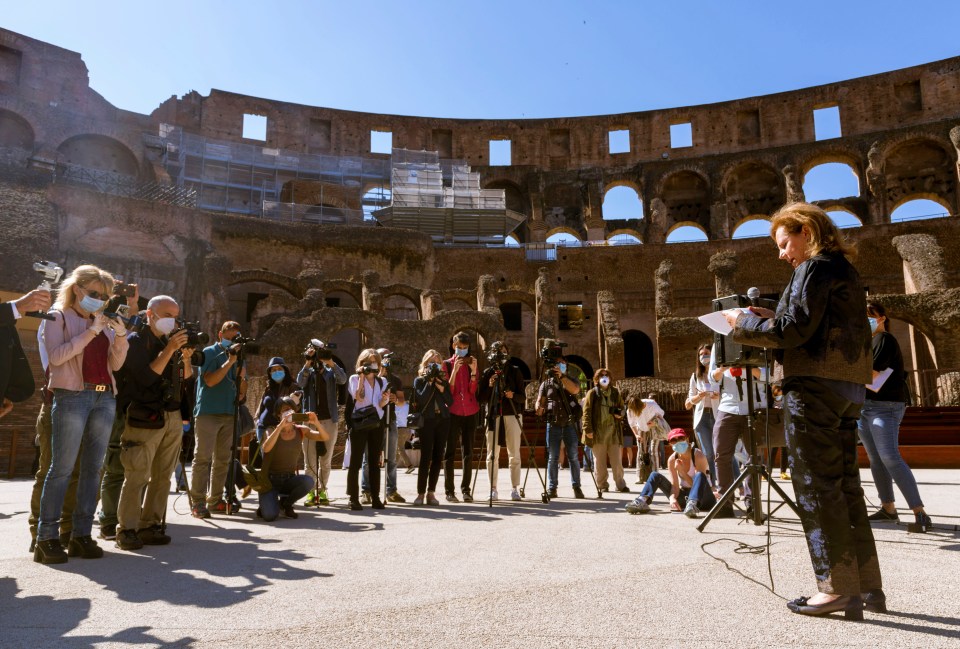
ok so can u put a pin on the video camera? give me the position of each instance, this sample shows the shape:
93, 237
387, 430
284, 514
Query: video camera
242, 343
369, 369
731, 353
390, 359
551, 353
51, 275
118, 309
496, 357
319, 349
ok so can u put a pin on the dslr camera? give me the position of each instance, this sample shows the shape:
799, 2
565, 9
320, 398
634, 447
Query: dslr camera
317, 349
551, 353
434, 372
616, 411
496, 357
195, 337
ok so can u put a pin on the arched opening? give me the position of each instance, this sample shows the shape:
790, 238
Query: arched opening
323, 213
373, 200
99, 152
918, 209
15, 131
400, 307
686, 233
623, 239
622, 202
920, 169
686, 196
752, 189
638, 354
580, 370
564, 238
348, 343
844, 219
830, 180
341, 300
754, 227
511, 241
456, 304
523, 367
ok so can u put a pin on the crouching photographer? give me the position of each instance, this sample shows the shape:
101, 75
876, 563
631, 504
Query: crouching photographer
153, 377
281, 455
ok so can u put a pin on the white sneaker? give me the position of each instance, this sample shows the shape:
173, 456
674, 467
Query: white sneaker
494, 495
515, 494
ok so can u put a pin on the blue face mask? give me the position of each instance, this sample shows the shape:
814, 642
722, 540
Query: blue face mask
873, 325
91, 305
186, 427
681, 447
278, 376
562, 367
462, 352
226, 343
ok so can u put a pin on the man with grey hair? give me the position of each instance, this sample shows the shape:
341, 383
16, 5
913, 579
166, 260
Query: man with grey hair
153, 377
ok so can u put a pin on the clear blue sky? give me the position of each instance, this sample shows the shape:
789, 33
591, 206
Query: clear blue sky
491, 59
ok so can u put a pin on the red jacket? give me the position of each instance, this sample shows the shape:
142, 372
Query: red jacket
463, 389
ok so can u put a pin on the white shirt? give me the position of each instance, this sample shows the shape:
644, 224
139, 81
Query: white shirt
696, 387
641, 423
733, 390
371, 397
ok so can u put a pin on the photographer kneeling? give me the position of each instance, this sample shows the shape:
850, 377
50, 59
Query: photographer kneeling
281, 455
153, 376
689, 483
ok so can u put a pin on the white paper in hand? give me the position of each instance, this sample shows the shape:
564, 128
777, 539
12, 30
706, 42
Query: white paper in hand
718, 322
880, 380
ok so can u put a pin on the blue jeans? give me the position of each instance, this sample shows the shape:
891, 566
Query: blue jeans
704, 432
588, 458
391, 463
879, 429
567, 434
700, 491
289, 487
77, 417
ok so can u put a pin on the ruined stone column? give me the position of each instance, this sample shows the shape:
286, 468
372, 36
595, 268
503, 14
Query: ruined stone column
792, 184
431, 303
372, 297
216, 275
612, 350
877, 186
656, 231
923, 265
663, 295
487, 294
546, 316
723, 265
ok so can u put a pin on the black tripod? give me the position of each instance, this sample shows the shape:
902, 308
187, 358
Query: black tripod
495, 411
753, 471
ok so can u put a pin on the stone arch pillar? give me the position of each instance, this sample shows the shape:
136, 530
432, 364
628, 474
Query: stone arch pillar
723, 265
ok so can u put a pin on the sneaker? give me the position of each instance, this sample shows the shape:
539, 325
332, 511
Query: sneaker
514, 494
366, 498
322, 498
395, 497
220, 507
638, 506
785, 474
494, 494
153, 535
578, 492
452, 498
129, 540
552, 493
108, 532
922, 524
883, 515
84, 546
467, 496
311, 499
200, 511
691, 510
49, 551
432, 500
418, 501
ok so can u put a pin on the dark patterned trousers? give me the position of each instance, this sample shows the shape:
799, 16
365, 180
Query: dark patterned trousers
821, 432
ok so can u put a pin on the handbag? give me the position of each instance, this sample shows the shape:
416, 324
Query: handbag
659, 429
415, 420
140, 415
365, 418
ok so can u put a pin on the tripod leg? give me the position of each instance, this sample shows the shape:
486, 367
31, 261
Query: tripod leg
593, 476
726, 498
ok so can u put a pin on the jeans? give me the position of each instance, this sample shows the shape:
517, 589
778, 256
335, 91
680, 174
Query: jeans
288, 487
588, 458
879, 428
112, 481
568, 435
704, 432
78, 417
821, 432
462, 427
433, 443
70, 500
391, 463
700, 491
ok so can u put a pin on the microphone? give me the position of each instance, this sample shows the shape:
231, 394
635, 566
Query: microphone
754, 294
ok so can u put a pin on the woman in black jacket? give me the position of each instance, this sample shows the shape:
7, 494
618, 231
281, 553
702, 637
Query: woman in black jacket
433, 403
823, 340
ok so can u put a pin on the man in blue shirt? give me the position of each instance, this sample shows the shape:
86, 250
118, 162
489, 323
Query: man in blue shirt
218, 387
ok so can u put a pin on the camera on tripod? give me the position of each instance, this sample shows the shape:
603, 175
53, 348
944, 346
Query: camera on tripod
551, 353
731, 353
316, 348
496, 356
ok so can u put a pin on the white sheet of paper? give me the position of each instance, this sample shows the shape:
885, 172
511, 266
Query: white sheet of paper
880, 380
717, 322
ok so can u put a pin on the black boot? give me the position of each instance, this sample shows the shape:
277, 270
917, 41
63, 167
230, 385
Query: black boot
49, 551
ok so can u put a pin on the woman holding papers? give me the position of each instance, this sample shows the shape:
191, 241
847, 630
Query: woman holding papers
880, 424
823, 342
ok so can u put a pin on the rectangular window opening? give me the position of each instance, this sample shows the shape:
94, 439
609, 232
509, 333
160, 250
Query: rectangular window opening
826, 123
512, 316
254, 127
381, 142
619, 141
500, 154
681, 135
570, 315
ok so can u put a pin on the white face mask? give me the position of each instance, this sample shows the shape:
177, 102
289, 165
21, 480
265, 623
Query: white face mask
286, 416
375, 366
165, 325
604, 381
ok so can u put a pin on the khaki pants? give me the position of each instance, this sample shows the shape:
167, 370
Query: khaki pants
601, 452
149, 457
511, 432
44, 431
310, 455
211, 457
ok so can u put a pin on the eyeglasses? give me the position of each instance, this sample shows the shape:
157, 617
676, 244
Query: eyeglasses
94, 294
